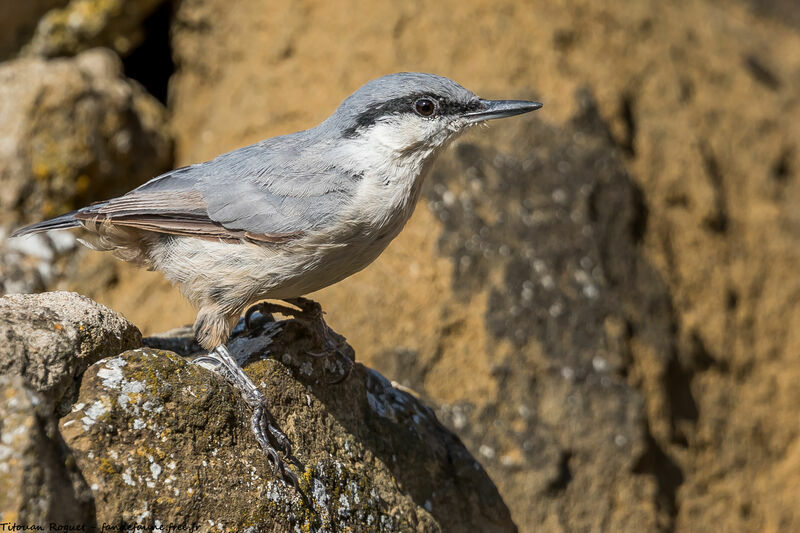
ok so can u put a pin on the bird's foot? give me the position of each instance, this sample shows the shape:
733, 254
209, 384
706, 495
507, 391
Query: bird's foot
267, 434
309, 314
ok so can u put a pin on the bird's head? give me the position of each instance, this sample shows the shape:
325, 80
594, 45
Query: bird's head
411, 112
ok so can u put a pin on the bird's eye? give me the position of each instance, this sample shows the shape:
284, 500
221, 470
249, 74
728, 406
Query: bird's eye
424, 107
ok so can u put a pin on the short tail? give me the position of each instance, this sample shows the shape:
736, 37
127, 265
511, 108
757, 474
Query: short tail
59, 222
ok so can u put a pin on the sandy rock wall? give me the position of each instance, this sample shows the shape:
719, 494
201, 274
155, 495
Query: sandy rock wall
699, 100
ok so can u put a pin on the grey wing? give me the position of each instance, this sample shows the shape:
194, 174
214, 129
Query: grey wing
280, 187
260, 209
217, 202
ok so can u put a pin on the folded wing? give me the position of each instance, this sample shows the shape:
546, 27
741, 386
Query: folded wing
265, 193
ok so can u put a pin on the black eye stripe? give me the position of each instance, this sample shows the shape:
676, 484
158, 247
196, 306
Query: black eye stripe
405, 104
452, 108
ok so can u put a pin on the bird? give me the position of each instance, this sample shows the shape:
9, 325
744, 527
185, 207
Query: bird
288, 215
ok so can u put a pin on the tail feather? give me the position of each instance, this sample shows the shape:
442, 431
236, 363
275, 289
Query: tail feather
129, 244
60, 222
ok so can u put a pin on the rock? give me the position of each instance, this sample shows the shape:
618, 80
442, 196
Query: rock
165, 441
32, 263
84, 24
20, 273
18, 21
74, 131
39, 481
51, 338
783, 11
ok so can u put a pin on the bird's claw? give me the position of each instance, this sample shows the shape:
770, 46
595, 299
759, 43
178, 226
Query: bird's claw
261, 421
310, 314
263, 430
261, 308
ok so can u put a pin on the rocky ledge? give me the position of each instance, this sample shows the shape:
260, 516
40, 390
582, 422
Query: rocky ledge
158, 440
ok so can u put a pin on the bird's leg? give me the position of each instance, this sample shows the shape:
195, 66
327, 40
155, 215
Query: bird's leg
261, 420
310, 314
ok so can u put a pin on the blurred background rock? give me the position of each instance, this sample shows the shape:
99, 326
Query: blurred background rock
600, 299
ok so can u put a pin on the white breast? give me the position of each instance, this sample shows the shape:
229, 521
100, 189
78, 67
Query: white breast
383, 202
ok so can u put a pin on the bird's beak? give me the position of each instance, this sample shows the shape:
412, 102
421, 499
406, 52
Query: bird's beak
490, 109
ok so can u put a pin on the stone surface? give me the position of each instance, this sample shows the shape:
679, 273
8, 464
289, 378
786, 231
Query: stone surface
74, 131
50, 339
39, 481
84, 24
164, 441
18, 20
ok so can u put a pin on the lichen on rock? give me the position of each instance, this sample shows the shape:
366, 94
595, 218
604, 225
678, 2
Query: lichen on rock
162, 439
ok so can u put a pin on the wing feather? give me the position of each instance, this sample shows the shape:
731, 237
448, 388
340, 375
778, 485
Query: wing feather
270, 192
172, 212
